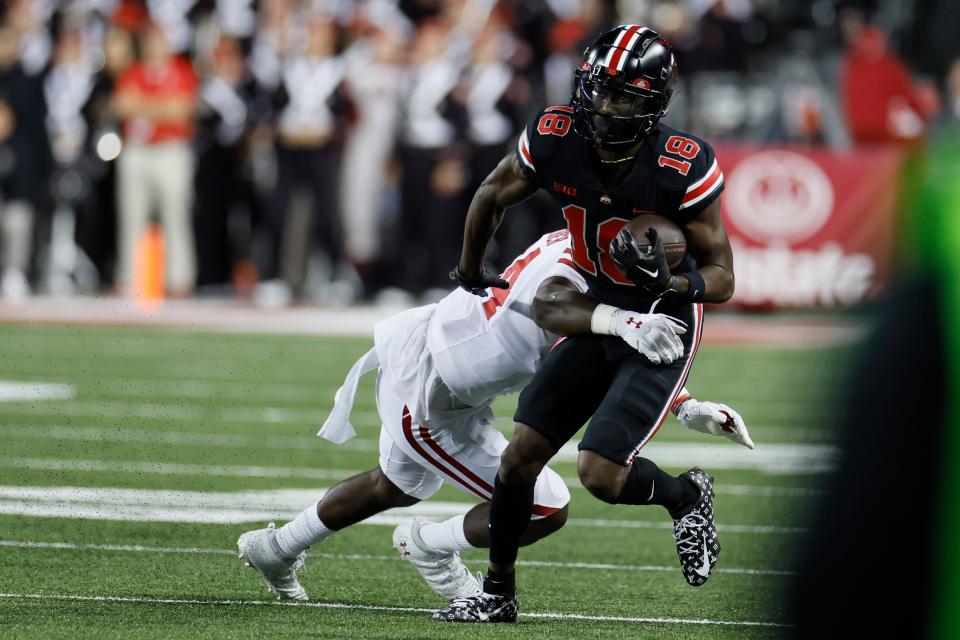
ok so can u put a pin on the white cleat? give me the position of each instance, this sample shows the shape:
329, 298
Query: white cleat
259, 551
444, 572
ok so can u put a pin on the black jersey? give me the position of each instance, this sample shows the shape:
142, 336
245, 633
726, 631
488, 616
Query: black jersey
674, 175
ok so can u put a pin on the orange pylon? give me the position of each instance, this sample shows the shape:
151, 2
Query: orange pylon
148, 270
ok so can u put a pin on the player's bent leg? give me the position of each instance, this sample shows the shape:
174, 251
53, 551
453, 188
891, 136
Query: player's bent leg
688, 497
258, 549
359, 497
442, 569
551, 500
695, 532
476, 526
523, 461
603, 478
277, 554
641, 482
525, 456
512, 502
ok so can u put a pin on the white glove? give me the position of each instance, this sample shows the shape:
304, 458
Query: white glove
715, 419
652, 334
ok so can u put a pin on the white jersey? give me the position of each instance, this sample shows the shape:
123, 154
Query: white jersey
473, 348
485, 347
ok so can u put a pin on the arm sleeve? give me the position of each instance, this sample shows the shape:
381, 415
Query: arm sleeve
682, 397
705, 181
535, 150
524, 155
564, 268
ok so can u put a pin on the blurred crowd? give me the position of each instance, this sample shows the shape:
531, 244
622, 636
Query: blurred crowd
327, 150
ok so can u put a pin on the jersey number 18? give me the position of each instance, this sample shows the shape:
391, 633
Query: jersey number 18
607, 230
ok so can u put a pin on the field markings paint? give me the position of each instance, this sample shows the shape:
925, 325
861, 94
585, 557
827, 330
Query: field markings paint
367, 607
774, 459
176, 469
244, 471
216, 507
591, 566
206, 388
140, 387
222, 410
181, 411
20, 391
174, 438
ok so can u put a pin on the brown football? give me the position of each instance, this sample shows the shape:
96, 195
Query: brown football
674, 242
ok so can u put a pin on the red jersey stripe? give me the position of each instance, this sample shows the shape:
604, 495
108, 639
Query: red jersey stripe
713, 179
697, 335
407, 423
486, 490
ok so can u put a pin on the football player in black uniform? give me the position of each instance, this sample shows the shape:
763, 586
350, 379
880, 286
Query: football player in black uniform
606, 159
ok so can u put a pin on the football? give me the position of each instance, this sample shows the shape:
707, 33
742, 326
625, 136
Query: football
674, 242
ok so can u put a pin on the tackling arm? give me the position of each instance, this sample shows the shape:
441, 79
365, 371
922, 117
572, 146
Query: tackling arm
506, 186
708, 243
559, 307
711, 417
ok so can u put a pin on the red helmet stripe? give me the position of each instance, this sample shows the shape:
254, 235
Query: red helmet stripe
620, 45
629, 47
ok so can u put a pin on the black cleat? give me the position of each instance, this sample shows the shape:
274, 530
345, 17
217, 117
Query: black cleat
695, 531
483, 607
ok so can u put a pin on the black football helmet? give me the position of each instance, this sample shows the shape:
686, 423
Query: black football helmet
633, 66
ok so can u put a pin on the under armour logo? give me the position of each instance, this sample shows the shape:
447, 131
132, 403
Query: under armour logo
634, 322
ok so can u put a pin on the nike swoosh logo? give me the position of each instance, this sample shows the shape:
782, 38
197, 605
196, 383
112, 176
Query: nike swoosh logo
652, 274
704, 570
486, 616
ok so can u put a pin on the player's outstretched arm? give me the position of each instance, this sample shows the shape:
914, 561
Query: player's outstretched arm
713, 418
559, 307
708, 243
506, 186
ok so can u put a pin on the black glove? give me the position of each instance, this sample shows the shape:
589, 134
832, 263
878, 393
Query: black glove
478, 285
647, 269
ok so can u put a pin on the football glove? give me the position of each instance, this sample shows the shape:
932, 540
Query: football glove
715, 419
647, 269
652, 334
478, 285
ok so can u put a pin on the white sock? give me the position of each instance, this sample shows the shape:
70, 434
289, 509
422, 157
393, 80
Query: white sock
303, 531
445, 536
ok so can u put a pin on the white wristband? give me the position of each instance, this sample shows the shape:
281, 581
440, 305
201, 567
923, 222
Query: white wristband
602, 319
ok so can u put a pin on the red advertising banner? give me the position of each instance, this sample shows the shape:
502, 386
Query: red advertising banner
809, 227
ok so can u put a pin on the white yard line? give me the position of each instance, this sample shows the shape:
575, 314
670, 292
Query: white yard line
781, 331
776, 459
205, 389
366, 607
243, 471
590, 566
20, 391
176, 438
174, 469
220, 507
176, 385
173, 383
181, 411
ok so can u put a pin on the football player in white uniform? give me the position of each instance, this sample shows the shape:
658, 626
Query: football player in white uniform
440, 367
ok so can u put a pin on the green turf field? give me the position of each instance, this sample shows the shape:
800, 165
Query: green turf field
178, 437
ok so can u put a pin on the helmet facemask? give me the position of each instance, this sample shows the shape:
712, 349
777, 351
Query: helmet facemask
611, 113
